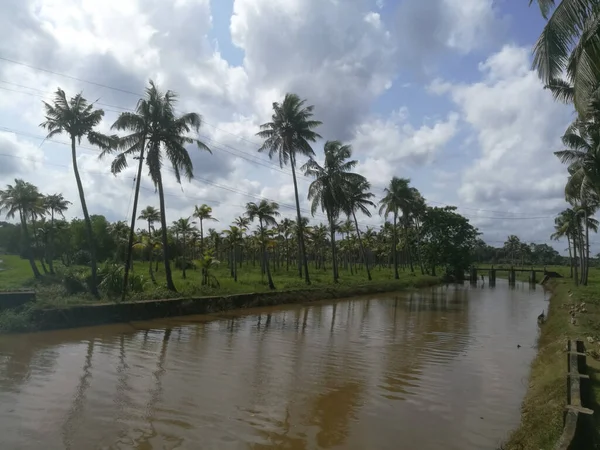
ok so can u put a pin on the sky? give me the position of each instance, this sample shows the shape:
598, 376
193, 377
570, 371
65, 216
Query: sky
440, 92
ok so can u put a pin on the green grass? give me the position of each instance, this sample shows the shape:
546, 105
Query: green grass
15, 273
543, 406
50, 292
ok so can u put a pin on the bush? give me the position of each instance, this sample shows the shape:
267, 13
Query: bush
112, 277
180, 261
74, 281
82, 258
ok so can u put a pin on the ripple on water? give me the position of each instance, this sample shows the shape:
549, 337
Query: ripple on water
362, 374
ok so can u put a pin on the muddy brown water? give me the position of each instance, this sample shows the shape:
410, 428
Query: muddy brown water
433, 369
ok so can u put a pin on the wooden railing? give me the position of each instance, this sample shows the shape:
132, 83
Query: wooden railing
578, 420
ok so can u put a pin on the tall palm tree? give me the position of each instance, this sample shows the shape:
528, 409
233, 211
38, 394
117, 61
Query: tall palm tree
22, 198
55, 204
330, 187
566, 225
151, 215
358, 199
397, 199
149, 243
288, 135
234, 236
183, 227
78, 118
158, 131
265, 212
202, 213
569, 43
285, 228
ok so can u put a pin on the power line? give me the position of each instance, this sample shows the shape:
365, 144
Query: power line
248, 157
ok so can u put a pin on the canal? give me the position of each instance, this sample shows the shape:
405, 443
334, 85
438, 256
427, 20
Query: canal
439, 368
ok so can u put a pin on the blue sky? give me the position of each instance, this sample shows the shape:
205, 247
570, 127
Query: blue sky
440, 92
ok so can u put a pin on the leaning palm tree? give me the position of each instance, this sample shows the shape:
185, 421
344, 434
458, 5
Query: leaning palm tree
331, 185
397, 199
570, 43
358, 199
202, 213
78, 118
22, 198
157, 132
288, 135
55, 204
265, 212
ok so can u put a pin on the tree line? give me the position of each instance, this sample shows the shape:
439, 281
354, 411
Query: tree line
414, 235
566, 58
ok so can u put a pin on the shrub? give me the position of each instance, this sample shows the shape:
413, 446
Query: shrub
82, 258
180, 261
112, 277
74, 282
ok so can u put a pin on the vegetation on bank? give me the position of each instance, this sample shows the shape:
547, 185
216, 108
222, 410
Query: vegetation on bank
92, 259
250, 281
543, 406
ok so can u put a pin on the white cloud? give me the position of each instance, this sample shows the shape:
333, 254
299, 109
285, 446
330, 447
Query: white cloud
516, 126
341, 56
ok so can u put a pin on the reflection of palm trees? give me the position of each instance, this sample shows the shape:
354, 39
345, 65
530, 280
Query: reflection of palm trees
80, 395
144, 441
420, 332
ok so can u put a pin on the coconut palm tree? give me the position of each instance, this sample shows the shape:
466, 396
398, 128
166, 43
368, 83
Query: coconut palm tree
288, 135
183, 227
398, 198
569, 43
55, 204
265, 212
149, 243
151, 215
234, 237
22, 198
157, 130
78, 118
285, 228
330, 187
566, 225
358, 198
202, 213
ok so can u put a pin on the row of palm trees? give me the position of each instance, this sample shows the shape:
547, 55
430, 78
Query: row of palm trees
154, 133
566, 57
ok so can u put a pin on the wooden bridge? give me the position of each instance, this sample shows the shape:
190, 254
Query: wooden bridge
512, 274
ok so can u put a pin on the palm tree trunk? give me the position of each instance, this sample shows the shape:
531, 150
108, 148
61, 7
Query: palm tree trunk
587, 251
27, 244
300, 231
136, 196
576, 276
362, 248
165, 239
394, 253
88, 222
570, 255
50, 251
183, 258
37, 244
201, 237
334, 265
234, 265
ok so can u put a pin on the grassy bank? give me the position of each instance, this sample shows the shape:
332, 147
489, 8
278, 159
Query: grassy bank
55, 308
543, 406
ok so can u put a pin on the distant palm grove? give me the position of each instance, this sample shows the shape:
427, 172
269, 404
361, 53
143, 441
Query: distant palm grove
91, 255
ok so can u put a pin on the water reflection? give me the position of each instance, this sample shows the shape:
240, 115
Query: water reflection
359, 373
